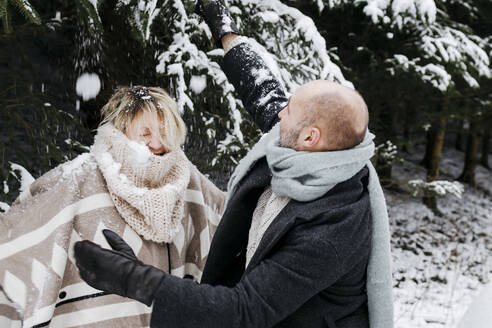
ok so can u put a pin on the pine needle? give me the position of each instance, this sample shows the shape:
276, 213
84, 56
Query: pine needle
26, 9
6, 21
3, 7
90, 11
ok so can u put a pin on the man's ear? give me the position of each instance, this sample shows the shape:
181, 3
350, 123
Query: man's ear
311, 137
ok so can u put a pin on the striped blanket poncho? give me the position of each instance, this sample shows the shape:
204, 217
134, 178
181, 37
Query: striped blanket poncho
39, 282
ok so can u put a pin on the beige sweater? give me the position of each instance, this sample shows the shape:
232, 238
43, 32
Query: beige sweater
38, 278
269, 206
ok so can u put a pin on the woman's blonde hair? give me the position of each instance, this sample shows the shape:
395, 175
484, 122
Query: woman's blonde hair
126, 104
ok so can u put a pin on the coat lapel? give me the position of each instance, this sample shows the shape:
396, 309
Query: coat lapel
231, 237
277, 229
341, 194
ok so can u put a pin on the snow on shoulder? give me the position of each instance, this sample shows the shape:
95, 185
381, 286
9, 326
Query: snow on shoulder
76, 166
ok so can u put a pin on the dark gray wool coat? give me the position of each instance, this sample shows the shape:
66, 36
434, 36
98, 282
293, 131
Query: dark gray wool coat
309, 269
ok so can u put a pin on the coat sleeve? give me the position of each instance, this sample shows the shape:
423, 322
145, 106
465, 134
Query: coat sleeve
260, 91
305, 264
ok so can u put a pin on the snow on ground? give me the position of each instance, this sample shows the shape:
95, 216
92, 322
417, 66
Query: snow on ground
478, 314
440, 264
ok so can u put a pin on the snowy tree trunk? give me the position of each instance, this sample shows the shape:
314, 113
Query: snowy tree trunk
406, 131
458, 144
433, 171
484, 160
388, 118
384, 172
389, 121
435, 151
471, 156
429, 147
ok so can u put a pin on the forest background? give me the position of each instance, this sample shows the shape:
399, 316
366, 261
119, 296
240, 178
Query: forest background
423, 67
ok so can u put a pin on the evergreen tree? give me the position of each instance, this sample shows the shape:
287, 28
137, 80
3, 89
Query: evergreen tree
412, 61
421, 57
163, 43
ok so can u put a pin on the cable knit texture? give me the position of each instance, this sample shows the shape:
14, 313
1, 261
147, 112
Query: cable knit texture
147, 189
269, 206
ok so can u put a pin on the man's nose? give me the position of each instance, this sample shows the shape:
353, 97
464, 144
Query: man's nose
280, 114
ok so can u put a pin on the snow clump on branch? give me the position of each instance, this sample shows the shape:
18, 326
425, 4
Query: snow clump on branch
438, 188
387, 153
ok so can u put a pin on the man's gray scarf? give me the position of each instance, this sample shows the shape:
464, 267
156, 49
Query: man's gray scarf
305, 176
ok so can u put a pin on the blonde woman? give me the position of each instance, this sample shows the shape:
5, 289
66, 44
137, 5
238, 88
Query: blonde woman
135, 181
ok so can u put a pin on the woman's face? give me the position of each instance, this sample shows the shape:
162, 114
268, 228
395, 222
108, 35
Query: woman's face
145, 128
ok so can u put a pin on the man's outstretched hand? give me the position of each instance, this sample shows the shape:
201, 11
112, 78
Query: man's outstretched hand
117, 271
217, 17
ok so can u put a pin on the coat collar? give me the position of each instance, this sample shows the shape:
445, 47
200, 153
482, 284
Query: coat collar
342, 193
231, 236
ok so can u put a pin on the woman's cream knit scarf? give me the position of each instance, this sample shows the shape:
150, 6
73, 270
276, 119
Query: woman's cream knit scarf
147, 190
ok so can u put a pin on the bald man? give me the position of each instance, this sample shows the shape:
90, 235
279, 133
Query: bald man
293, 245
321, 116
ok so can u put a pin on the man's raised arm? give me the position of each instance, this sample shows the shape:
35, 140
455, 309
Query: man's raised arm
260, 91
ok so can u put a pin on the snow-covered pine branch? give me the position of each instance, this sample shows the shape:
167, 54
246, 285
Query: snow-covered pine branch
89, 10
144, 13
399, 12
22, 6
188, 62
27, 10
386, 153
23, 176
4, 207
287, 40
435, 74
25, 180
438, 188
446, 50
457, 49
293, 41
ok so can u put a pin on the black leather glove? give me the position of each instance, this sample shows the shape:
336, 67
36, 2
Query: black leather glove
217, 17
117, 271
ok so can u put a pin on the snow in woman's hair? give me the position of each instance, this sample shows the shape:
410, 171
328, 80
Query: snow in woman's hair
127, 104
